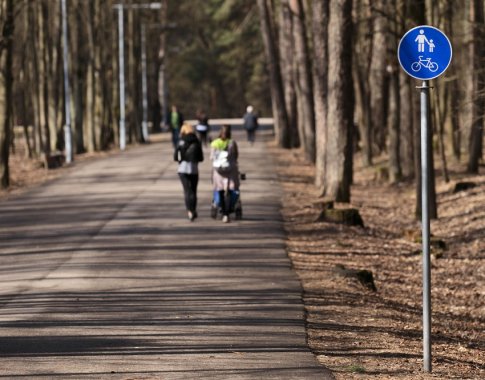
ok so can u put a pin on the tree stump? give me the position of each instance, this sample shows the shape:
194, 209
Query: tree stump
363, 276
323, 205
348, 216
463, 186
382, 174
54, 160
434, 242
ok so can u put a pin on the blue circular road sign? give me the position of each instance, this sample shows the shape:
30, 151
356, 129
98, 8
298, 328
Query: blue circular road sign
424, 52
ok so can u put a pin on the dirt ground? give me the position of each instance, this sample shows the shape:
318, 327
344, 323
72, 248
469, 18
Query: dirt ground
358, 333
362, 334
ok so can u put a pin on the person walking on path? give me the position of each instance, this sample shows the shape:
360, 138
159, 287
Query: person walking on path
202, 127
174, 122
225, 172
189, 153
250, 124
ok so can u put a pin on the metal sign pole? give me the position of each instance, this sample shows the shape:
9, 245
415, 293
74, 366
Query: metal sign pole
67, 93
425, 52
425, 228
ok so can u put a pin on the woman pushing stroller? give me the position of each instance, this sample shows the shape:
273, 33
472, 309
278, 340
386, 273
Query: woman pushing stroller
225, 175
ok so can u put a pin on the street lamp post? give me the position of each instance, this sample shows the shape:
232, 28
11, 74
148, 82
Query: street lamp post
144, 84
67, 92
120, 8
121, 57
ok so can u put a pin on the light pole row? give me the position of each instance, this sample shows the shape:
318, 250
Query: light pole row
121, 57
120, 8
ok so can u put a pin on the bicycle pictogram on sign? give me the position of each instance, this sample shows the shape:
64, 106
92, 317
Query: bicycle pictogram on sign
426, 63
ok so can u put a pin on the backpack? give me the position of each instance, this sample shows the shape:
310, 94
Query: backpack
189, 151
221, 162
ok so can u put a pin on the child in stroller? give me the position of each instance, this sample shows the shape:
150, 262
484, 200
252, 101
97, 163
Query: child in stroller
225, 176
232, 198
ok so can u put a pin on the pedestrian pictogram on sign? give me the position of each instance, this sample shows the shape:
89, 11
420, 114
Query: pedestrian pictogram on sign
424, 52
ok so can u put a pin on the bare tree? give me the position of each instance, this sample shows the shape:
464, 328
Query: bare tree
6, 7
377, 79
393, 122
292, 139
361, 73
162, 106
477, 84
276, 85
303, 80
338, 175
320, 15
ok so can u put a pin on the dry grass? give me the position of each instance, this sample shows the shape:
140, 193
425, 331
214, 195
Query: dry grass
362, 334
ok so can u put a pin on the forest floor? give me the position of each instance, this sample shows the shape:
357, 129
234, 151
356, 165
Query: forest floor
356, 332
362, 334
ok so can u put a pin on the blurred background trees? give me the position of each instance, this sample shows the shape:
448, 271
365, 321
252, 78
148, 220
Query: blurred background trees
326, 70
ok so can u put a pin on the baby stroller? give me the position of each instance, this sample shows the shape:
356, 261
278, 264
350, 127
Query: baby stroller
233, 199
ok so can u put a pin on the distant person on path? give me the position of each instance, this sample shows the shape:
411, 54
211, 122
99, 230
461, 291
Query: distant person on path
250, 124
174, 122
189, 153
225, 173
202, 126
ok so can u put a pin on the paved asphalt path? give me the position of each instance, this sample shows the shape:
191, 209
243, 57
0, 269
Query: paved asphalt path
103, 277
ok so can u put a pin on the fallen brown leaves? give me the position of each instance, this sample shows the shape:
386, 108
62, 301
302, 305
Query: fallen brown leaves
362, 334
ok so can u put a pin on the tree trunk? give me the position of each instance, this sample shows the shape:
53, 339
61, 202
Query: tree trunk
105, 77
51, 34
97, 75
454, 130
6, 81
408, 116
34, 84
276, 86
162, 106
115, 94
320, 15
361, 73
416, 112
407, 126
377, 79
291, 138
340, 102
395, 171
89, 124
304, 82
477, 84
130, 83
440, 116
44, 132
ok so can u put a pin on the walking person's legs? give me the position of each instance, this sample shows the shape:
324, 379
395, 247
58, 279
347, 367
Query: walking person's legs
203, 138
224, 206
188, 194
175, 137
193, 182
251, 136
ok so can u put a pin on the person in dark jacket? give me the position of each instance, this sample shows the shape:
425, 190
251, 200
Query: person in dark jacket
250, 124
189, 153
